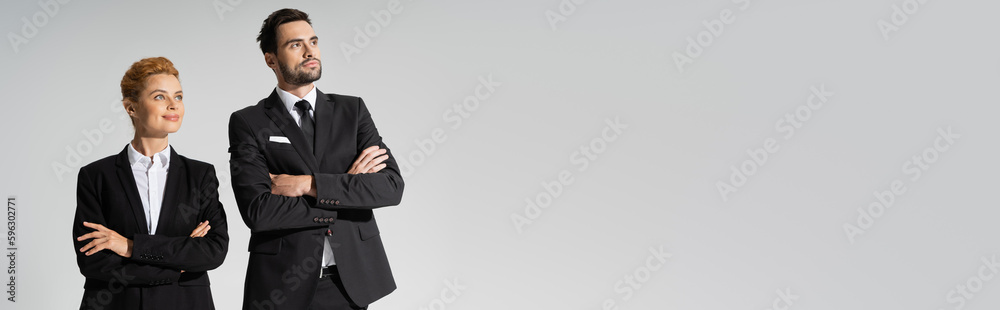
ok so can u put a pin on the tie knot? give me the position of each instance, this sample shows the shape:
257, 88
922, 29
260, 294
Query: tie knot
303, 106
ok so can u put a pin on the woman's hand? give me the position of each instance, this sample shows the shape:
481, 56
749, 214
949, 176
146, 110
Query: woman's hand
105, 239
201, 230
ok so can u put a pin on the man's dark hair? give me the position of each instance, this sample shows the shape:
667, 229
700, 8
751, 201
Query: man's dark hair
269, 31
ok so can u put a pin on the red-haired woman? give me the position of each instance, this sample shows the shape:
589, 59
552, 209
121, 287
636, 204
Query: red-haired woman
148, 221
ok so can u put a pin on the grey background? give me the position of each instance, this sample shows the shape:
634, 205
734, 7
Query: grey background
653, 187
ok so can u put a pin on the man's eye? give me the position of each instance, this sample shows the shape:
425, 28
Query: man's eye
295, 45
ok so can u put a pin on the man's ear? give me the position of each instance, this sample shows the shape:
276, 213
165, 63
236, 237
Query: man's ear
271, 60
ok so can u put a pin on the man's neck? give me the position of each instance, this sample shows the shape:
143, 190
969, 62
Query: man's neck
297, 90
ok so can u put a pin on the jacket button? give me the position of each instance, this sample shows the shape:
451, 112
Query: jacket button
315, 220
336, 202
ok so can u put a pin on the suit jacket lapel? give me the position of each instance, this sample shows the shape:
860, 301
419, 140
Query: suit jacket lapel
325, 118
279, 115
176, 175
131, 191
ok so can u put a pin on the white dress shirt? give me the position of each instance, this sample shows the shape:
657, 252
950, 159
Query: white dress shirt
150, 179
289, 100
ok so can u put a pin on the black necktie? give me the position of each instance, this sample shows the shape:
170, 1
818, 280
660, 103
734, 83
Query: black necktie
308, 127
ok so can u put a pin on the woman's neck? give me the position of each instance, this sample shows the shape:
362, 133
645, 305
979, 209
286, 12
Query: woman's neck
149, 145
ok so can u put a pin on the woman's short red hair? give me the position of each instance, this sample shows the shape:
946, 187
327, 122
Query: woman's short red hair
135, 78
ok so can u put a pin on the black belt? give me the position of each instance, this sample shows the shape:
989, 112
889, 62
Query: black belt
328, 271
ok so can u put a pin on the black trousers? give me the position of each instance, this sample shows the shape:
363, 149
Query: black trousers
330, 294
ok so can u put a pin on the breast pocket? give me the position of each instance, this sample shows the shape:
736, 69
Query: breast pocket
282, 158
278, 146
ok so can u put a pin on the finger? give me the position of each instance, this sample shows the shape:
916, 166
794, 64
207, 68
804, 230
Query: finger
91, 235
93, 225
201, 233
379, 160
200, 230
377, 168
86, 236
205, 232
363, 154
197, 230
92, 244
87, 246
375, 162
371, 156
98, 248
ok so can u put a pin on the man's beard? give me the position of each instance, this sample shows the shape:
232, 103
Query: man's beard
301, 77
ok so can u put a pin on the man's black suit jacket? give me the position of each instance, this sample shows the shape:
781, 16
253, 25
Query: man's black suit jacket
286, 242
151, 278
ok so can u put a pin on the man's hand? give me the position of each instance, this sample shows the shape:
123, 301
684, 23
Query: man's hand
201, 230
105, 239
293, 185
369, 161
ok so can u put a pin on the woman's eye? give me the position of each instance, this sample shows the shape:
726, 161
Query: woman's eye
158, 97
178, 98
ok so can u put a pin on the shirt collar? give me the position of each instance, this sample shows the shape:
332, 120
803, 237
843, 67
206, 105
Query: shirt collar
289, 100
162, 157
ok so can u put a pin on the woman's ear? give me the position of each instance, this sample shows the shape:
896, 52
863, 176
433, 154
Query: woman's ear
129, 106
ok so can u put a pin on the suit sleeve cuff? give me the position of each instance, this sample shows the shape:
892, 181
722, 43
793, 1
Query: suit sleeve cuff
326, 195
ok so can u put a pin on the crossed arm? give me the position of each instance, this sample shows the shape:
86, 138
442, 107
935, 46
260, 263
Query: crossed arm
106, 239
105, 254
271, 202
370, 161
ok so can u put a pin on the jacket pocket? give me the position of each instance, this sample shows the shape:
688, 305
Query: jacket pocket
275, 146
368, 229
